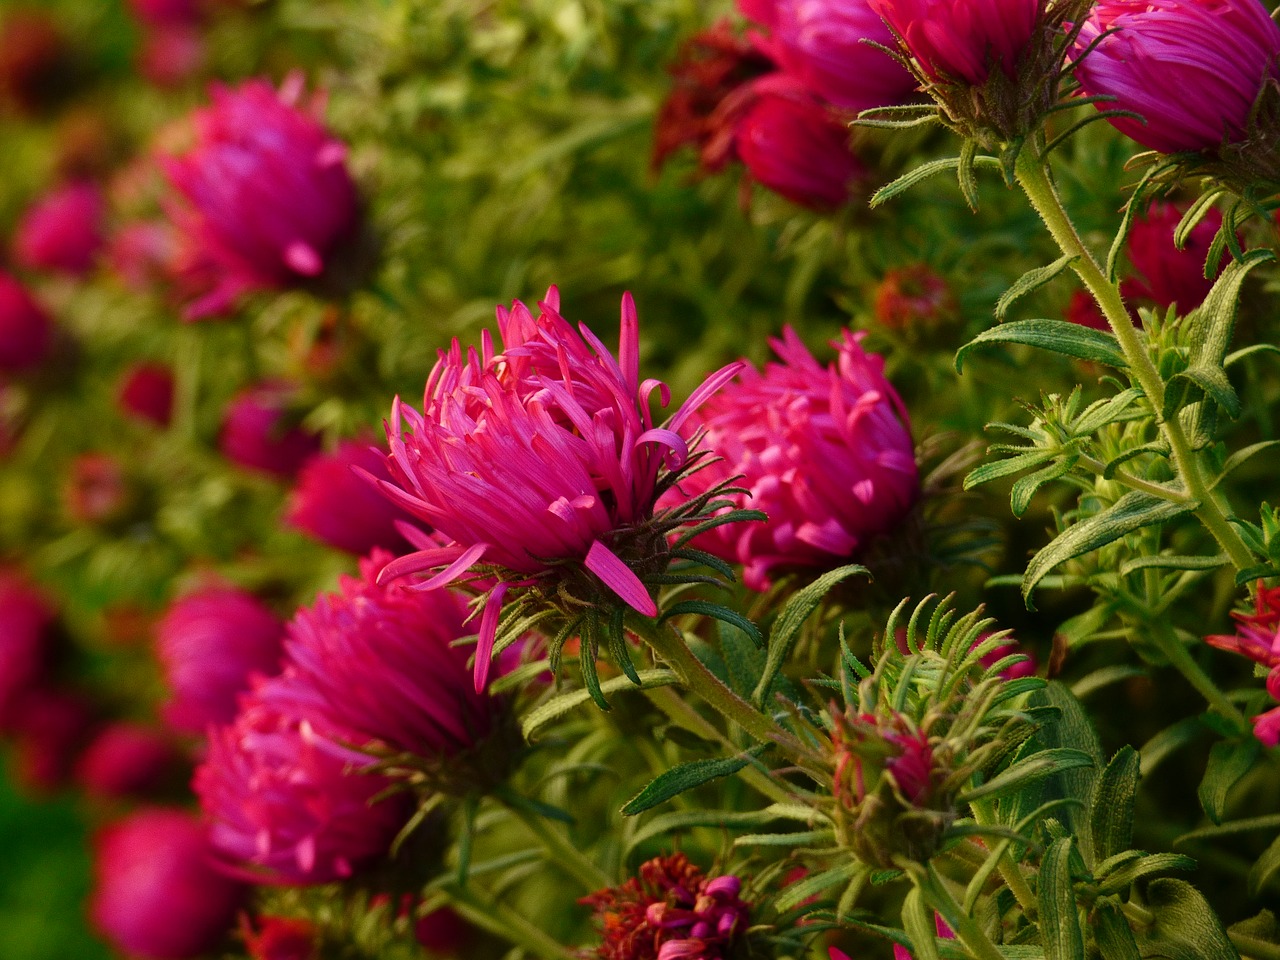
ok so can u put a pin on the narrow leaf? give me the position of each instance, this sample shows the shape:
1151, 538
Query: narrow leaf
1025, 489
1228, 762
1115, 938
1060, 932
917, 920
1035, 767
718, 612
1003, 468
557, 707
686, 776
1112, 809
1058, 336
1031, 281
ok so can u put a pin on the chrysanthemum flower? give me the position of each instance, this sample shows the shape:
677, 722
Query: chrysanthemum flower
26, 330
826, 453
287, 799
962, 40
157, 894
210, 643
63, 231
269, 193
540, 462
671, 911
1166, 275
339, 507
255, 432
1193, 69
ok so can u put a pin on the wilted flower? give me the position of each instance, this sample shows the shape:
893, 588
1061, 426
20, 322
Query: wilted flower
156, 892
210, 643
962, 40
146, 392
671, 911
278, 938
286, 801
127, 760
340, 507
256, 432
26, 331
826, 453
911, 296
1193, 69
25, 617
269, 193
414, 692
63, 231
541, 462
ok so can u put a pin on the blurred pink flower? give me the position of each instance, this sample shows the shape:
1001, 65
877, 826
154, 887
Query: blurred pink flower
161, 12
210, 643
25, 618
62, 231
541, 454
156, 892
286, 802
127, 760
26, 330
256, 433
1165, 274
171, 54
278, 938
825, 452
95, 488
1191, 68
339, 507
962, 40
145, 391
912, 296
142, 254
51, 727
443, 931
268, 191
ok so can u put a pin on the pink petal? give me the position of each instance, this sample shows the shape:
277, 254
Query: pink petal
488, 633
620, 578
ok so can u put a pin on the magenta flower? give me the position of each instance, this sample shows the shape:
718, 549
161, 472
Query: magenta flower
1191, 68
127, 760
157, 894
962, 40
1165, 274
793, 145
820, 43
414, 692
63, 231
539, 460
164, 12
171, 54
142, 254
26, 330
25, 618
269, 192
1257, 637
210, 643
278, 938
50, 730
256, 433
145, 391
288, 803
825, 452
340, 507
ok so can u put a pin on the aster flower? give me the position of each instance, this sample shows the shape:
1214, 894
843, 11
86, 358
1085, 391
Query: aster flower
25, 618
337, 506
127, 760
286, 800
256, 432
913, 296
210, 643
269, 195
1257, 637
142, 254
826, 453
670, 911
145, 391
157, 894
63, 231
279, 938
541, 463
962, 39
26, 330
1164, 274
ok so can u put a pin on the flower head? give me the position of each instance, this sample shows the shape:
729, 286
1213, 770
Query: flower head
1193, 69
126, 760
157, 894
1165, 274
145, 391
63, 231
269, 197
541, 462
26, 330
25, 618
962, 40
337, 506
913, 296
256, 432
1257, 634
671, 911
278, 938
210, 643
826, 453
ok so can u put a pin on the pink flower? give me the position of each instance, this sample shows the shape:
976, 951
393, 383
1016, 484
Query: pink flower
1165, 274
210, 643
826, 453
127, 760
414, 692
256, 433
280, 939
820, 43
160, 12
51, 727
96, 489
340, 507
269, 193
25, 618
171, 54
1257, 635
443, 931
962, 40
145, 391
142, 254
1191, 68
63, 231
156, 892
286, 800
794, 146
26, 331
913, 296
538, 456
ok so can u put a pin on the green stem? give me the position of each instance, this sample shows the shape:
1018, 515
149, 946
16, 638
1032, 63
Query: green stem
968, 930
504, 923
1034, 178
1010, 872
693, 673
563, 853
1254, 948
1180, 658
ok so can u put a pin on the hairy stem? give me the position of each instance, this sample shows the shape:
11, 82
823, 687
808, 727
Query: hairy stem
1010, 872
504, 923
563, 853
967, 929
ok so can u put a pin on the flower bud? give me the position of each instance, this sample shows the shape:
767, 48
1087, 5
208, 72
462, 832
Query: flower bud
146, 393
62, 231
26, 330
339, 507
256, 434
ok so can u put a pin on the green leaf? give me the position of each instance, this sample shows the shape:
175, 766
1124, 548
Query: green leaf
1241, 456
1212, 382
1167, 562
1025, 489
681, 820
1228, 762
1214, 323
917, 920
793, 840
1039, 765
1114, 936
1060, 932
922, 173
800, 891
1264, 868
1185, 927
718, 612
1131, 870
557, 707
1111, 813
787, 627
1058, 336
1003, 468
1073, 729
1031, 281
685, 776
1131, 512
1237, 355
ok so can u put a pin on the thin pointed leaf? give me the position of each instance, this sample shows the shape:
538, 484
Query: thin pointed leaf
1058, 336
686, 776
1031, 281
